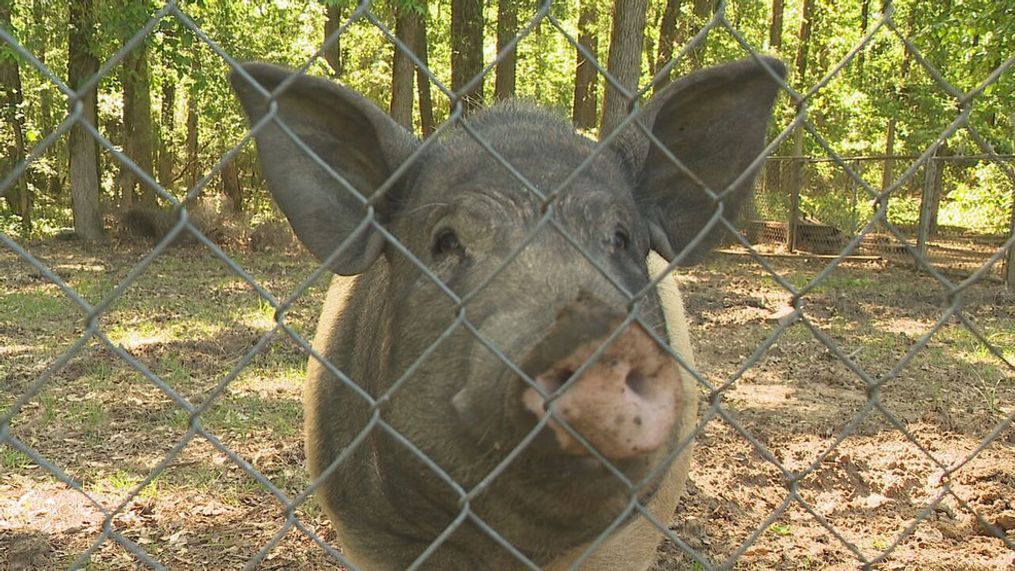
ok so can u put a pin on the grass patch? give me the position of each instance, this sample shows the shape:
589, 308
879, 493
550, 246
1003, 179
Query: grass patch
36, 307
13, 459
239, 414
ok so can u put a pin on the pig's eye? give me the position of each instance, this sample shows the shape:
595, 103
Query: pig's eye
620, 240
446, 243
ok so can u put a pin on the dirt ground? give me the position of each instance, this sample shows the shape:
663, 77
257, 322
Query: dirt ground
905, 459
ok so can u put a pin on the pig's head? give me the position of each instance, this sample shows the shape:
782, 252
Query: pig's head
515, 290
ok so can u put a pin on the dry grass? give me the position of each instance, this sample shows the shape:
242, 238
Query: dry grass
191, 320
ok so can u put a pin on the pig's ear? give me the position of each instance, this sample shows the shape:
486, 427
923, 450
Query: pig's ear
359, 144
713, 121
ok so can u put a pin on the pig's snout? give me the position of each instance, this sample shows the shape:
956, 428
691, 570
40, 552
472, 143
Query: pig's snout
625, 404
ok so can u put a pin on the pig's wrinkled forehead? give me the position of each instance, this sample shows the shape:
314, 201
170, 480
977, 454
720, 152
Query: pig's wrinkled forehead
537, 145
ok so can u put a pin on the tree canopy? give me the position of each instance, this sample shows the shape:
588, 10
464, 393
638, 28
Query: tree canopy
879, 79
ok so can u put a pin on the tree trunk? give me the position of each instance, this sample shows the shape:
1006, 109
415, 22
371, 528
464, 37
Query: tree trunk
806, 19
333, 52
192, 140
938, 187
83, 153
167, 124
507, 27
586, 75
703, 11
426, 120
624, 60
229, 180
667, 41
887, 173
775, 26
796, 174
864, 22
467, 51
137, 125
12, 127
402, 68
50, 112
1009, 259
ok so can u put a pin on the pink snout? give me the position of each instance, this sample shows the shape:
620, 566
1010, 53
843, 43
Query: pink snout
625, 404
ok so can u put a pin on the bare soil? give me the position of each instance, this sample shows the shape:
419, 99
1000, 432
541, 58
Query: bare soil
905, 458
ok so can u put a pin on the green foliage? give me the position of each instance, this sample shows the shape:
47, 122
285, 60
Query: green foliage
981, 201
965, 40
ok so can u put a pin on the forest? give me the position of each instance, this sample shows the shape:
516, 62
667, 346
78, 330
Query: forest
110, 106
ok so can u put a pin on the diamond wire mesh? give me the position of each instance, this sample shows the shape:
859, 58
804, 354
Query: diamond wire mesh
716, 408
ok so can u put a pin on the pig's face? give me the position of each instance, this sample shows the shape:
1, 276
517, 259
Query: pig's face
525, 265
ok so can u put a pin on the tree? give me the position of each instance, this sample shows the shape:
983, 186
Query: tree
426, 120
864, 22
507, 28
167, 124
667, 39
467, 51
586, 75
137, 125
624, 60
332, 22
800, 75
703, 11
18, 196
775, 28
83, 156
886, 173
406, 29
192, 167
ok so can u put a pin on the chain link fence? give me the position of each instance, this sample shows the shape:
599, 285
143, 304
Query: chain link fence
787, 494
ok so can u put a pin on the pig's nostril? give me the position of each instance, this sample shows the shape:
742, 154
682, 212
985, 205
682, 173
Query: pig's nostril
552, 381
637, 382
558, 379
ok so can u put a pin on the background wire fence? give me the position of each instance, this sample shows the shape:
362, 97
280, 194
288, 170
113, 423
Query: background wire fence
861, 212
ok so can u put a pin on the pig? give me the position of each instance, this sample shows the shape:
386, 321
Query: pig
501, 378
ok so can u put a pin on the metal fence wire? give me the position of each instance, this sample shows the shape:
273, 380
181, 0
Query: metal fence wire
717, 409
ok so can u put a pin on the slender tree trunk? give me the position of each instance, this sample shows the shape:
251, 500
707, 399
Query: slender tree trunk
12, 120
800, 63
52, 181
667, 41
426, 120
624, 60
507, 27
648, 46
467, 50
775, 27
18, 196
192, 139
406, 29
229, 181
586, 75
83, 152
864, 23
703, 11
1009, 259
796, 174
938, 187
137, 124
167, 124
887, 172
333, 53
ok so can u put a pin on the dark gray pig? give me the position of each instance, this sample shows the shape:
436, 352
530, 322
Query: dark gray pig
487, 414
